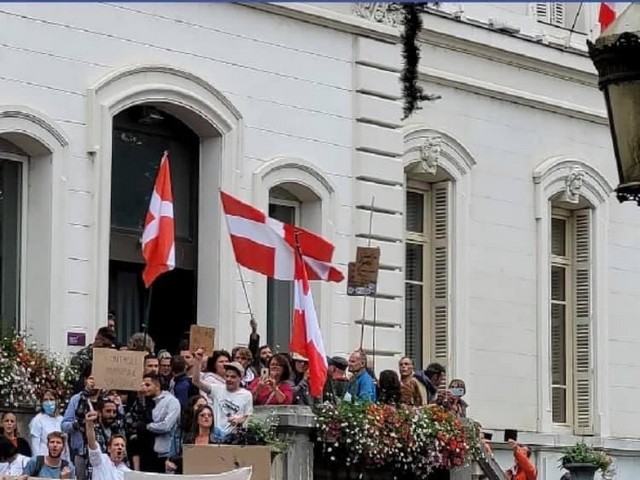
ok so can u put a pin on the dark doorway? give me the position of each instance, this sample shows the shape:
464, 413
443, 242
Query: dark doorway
140, 136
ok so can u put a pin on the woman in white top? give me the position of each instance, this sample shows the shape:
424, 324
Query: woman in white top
214, 374
11, 462
47, 421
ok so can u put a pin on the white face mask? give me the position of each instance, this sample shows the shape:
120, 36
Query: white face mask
458, 391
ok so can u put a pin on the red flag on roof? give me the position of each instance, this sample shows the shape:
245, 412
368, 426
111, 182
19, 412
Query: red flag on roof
607, 15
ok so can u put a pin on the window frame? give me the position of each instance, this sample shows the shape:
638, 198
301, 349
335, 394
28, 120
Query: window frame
297, 210
424, 238
23, 160
568, 262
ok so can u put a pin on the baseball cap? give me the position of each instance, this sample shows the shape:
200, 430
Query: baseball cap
339, 362
296, 357
235, 366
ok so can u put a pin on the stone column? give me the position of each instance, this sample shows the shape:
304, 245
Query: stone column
296, 425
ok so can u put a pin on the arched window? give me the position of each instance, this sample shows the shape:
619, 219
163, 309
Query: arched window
571, 214
169, 109
12, 162
293, 191
32, 215
437, 191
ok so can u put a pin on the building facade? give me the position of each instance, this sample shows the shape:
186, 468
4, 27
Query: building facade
504, 254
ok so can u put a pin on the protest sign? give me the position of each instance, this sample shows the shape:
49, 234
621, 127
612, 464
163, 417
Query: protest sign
362, 278
202, 337
118, 369
206, 459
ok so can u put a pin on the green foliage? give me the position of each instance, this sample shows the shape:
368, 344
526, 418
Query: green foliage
258, 432
583, 453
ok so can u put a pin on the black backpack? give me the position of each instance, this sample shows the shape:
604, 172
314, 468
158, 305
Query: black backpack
40, 464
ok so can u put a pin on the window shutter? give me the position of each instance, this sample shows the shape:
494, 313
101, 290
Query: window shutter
582, 378
440, 283
558, 14
543, 12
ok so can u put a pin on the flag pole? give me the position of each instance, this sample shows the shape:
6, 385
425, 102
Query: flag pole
147, 313
364, 300
244, 289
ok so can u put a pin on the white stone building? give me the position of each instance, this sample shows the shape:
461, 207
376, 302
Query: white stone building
505, 255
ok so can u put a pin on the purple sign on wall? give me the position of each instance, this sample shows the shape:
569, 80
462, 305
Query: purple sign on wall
76, 339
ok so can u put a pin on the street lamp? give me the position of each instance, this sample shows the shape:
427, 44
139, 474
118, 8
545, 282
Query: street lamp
616, 56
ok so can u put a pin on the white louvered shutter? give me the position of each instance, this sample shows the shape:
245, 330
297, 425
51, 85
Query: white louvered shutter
440, 284
558, 14
582, 364
543, 12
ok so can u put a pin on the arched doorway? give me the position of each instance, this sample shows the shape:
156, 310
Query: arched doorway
140, 136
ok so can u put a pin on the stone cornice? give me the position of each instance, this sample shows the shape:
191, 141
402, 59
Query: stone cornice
468, 37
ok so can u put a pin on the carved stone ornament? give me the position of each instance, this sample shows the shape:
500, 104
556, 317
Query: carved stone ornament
573, 184
384, 13
430, 153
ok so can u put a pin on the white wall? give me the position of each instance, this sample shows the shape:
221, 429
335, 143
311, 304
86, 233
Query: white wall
325, 90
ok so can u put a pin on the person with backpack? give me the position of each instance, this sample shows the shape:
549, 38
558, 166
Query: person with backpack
51, 465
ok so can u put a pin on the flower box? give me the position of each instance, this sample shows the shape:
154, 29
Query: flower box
385, 442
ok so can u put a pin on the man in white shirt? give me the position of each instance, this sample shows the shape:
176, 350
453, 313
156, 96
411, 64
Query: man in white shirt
110, 465
232, 405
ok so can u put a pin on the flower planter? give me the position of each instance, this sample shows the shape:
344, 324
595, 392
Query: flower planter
581, 471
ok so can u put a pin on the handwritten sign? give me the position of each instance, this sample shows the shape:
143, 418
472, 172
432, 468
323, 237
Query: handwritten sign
202, 337
212, 459
118, 369
363, 273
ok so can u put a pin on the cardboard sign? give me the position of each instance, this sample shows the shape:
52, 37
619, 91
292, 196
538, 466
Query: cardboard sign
118, 369
363, 273
239, 474
202, 337
206, 459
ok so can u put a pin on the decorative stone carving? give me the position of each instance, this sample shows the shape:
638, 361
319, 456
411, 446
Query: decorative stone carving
430, 153
573, 184
384, 13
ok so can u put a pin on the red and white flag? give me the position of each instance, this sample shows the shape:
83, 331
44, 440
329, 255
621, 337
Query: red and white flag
306, 339
158, 237
267, 246
607, 15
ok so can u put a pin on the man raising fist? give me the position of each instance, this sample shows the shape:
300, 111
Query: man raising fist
109, 466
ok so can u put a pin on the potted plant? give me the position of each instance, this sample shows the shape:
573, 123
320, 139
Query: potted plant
583, 461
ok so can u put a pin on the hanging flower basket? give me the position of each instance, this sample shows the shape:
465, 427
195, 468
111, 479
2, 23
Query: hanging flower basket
26, 371
396, 443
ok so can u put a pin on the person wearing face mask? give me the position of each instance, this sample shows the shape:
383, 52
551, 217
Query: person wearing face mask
47, 421
457, 389
110, 465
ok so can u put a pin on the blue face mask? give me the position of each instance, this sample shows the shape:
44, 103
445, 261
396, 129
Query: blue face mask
49, 407
458, 392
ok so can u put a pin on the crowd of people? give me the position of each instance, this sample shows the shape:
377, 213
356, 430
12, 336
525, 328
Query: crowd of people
191, 398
